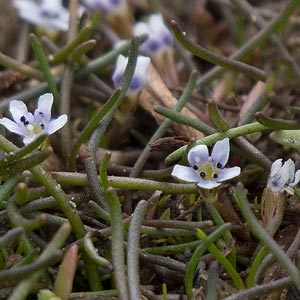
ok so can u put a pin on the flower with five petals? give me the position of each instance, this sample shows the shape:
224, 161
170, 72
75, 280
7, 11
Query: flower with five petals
29, 125
207, 171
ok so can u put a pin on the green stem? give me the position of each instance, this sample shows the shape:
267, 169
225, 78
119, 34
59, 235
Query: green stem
64, 53
26, 163
23, 289
79, 52
23, 69
27, 149
111, 106
213, 138
10, 237
18, 220
227, 234
213, 58
167, 262
277, 124
62, 200
240, 196
5, 189
79, 179
117, 243
215, 116
92, 252
256, 263
245, 148
56, 191
237, 281
11, 276
264, 289
134, 232
212, 282
192, 264
172, 249
44, 65
103, 169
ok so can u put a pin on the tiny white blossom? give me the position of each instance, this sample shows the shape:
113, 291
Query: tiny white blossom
160, 39
49, 14
283, 177
207, 171
29, 125
139, 77
106, 6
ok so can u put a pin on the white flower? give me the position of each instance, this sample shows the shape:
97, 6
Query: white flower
207, 171
283, 177
160, 39
139, 76
49, 14
29, 125
106, 6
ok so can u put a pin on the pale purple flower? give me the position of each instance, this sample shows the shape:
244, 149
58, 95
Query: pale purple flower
49, 14
160, 39
106, 6
29, 125
207, 171
283, 176
139, 77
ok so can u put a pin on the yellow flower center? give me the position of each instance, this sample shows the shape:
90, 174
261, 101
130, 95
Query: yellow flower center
32, 129
207, 171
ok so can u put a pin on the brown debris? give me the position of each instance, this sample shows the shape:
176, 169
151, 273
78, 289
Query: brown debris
156, 93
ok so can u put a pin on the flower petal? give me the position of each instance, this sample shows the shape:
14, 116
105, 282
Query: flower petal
26, 9
228, 173
277, 182
56, 124
285, 172
296, 179
185, 173
18, 109
220, 152
55, 5
208, 184
140, 74
12, 126
120, 67
48, 14
106, 6
157, 25
44, 106
290, 165
276, 166
142, 65
198, 155
141, 28
29, 138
